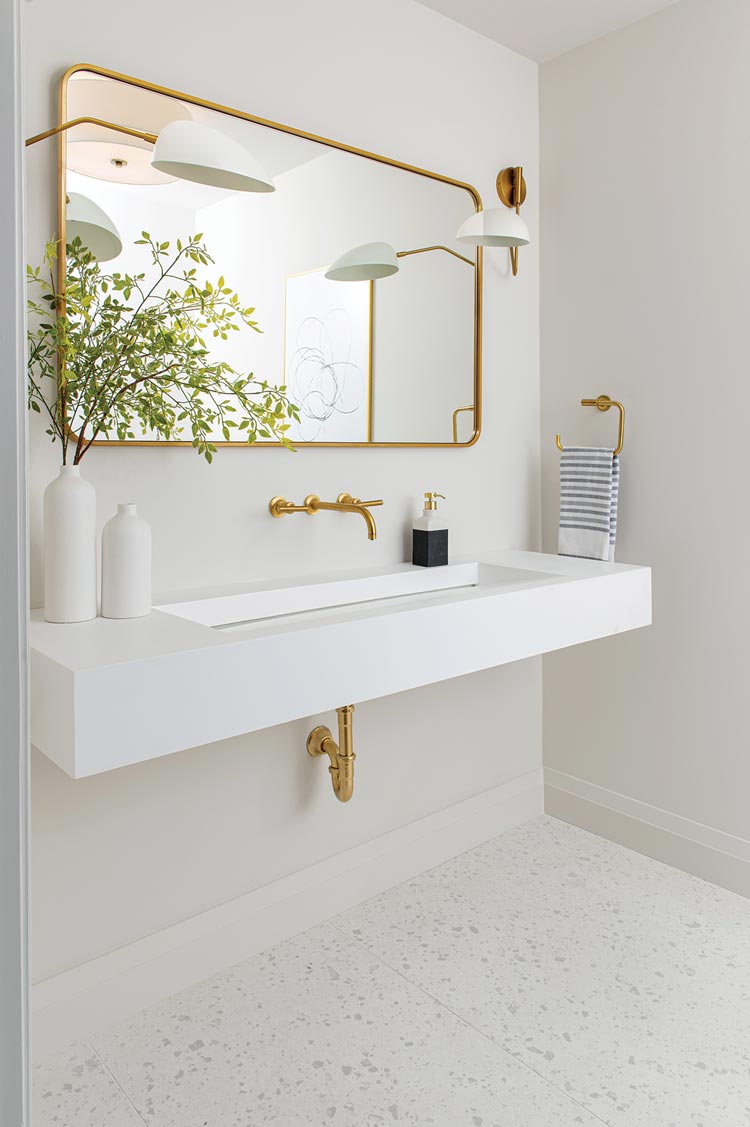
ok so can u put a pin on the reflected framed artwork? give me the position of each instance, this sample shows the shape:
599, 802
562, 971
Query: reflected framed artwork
328, 357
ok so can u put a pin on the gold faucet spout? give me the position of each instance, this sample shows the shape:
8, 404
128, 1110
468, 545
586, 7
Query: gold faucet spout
345, 503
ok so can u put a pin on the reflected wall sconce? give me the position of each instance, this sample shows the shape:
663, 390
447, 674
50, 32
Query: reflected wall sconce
370, 261
500, 227
87, 221
185, 149
196, 152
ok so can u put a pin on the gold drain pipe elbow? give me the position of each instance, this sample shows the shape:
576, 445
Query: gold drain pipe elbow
321, 742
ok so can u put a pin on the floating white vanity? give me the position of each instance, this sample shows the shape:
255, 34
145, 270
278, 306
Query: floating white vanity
215, 664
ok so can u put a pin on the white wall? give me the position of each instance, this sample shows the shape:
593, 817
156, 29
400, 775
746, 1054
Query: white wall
646, 228
14, 759
119, 856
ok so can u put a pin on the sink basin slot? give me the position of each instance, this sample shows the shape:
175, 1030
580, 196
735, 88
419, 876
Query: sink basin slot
269, 601
416, 596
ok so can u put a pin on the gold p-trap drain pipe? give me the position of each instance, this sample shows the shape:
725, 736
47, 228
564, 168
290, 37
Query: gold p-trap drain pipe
321, 742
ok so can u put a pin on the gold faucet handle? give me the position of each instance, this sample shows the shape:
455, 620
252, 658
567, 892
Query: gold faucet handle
279, 507
347, 499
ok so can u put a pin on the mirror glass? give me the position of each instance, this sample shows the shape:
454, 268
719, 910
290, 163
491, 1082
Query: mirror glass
392, 360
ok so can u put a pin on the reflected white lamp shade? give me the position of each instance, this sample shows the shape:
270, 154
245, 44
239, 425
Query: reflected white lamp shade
85, 220
196, 152
496, 227
365, 263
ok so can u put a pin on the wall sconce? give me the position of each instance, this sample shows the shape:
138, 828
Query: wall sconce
185, 149
370, 261
495, 227
500, 227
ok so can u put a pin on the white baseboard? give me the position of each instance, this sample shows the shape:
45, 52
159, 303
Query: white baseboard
79, 1002
691, 846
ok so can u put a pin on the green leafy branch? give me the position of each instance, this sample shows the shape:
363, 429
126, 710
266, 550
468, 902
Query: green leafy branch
118, 352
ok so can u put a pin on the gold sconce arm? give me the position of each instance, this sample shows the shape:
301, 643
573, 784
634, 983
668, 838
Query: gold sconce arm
438, 246
321, 742
456, 413
140, 133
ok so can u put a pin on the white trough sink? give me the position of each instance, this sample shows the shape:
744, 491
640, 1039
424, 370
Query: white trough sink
398, 586
215, 664
295, 597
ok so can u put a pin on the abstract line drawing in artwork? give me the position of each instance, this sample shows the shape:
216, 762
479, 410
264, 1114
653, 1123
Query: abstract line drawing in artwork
327, 348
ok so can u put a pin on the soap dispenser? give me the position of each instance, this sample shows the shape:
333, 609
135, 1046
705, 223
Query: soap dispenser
430, 535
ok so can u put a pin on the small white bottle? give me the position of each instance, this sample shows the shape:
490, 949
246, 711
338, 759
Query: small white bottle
126, 565
430, 535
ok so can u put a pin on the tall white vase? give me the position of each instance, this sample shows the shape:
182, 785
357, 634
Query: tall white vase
69, 548
126, 565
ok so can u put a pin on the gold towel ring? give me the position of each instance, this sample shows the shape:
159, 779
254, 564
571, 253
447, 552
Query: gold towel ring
603, 403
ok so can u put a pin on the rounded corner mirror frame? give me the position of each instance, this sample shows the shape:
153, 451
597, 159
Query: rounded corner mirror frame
192, 99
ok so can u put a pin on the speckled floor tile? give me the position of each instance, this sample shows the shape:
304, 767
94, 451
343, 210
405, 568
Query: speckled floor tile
319, 1032
622, 981
73, 1089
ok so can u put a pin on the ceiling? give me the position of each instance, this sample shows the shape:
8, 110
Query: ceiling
543, 29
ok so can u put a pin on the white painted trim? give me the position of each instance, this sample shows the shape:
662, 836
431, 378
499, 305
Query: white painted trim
78, 1002
695, 848
14, 748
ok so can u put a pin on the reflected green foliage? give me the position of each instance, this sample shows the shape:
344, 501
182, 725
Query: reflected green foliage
118, 354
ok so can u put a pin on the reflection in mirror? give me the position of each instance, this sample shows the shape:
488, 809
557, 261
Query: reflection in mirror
368, 308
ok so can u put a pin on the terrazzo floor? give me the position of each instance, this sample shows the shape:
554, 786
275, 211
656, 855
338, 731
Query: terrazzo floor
545, 979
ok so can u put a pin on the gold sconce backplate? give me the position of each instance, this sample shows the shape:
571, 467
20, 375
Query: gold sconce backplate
505, 184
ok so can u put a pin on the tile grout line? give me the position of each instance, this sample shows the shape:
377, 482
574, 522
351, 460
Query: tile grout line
117, 1083
469, 1025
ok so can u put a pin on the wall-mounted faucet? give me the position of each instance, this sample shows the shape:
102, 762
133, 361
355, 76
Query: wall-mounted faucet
344, 503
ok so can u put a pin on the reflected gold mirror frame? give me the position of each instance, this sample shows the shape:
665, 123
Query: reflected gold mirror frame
192, 100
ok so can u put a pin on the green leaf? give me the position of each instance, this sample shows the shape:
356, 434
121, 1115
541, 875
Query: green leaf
132, 353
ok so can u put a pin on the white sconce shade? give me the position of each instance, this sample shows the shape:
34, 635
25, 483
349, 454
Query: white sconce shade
365, 263
496, 227
85, 220
196, 152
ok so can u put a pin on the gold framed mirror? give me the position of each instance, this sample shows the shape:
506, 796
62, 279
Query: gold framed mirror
370, 311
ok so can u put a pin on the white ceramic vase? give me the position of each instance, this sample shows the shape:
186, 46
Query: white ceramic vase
69, 548
126, 565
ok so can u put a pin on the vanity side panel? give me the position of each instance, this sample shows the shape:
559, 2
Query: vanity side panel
53, 711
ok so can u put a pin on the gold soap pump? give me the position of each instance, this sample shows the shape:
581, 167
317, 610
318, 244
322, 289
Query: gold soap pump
430, 535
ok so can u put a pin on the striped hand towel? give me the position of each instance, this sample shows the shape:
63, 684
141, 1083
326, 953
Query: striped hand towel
589, 488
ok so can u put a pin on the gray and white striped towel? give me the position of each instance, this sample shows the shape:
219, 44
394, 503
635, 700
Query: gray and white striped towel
589, 489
